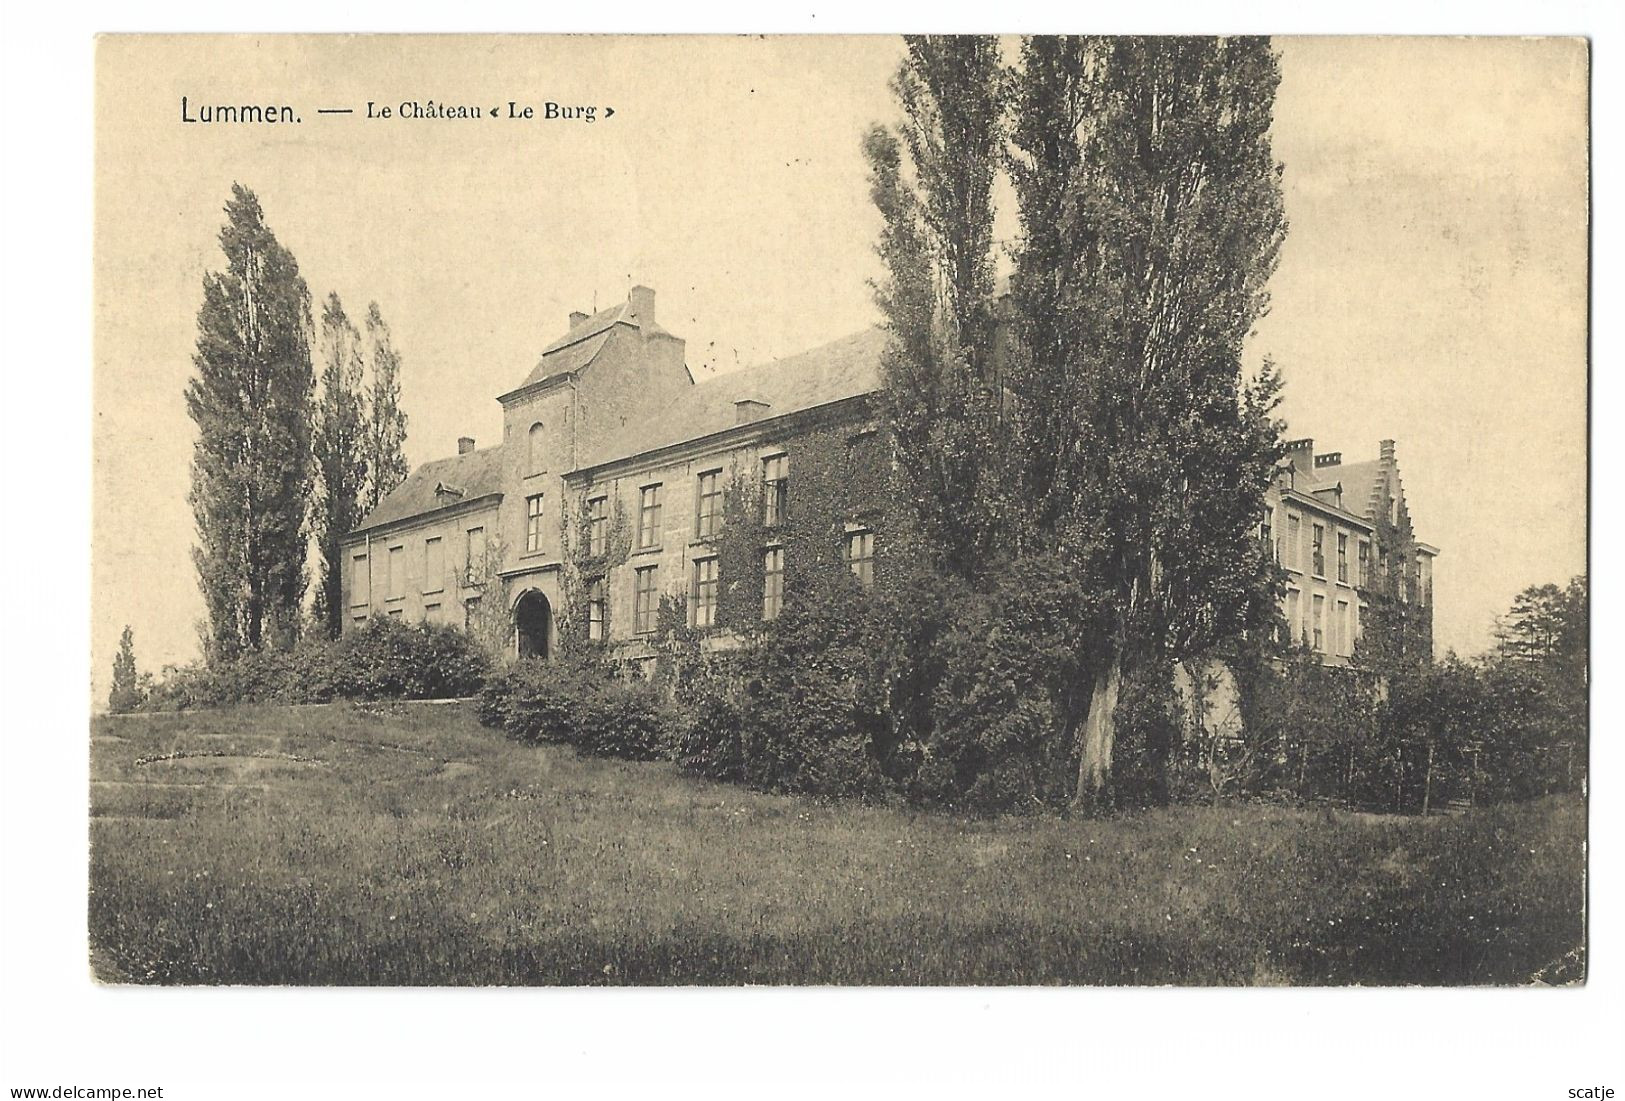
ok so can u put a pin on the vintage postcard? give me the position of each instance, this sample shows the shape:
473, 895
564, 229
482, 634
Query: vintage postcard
826, 510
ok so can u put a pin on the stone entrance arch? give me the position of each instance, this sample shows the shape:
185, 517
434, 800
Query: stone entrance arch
533, 624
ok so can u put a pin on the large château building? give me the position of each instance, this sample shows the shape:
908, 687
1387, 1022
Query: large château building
603, 508
1358, 579
609, 489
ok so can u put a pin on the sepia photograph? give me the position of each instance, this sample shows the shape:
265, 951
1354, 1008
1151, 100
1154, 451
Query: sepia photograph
840, 511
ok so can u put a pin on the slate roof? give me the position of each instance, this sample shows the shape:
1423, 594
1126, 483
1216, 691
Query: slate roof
576, 348
841, 369
476, 474
1360, 482
1360, 485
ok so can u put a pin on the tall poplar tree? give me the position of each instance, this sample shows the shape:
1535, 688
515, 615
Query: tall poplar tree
251, 465
126, 691
386, 421
341, 465
932, 181
1151, 218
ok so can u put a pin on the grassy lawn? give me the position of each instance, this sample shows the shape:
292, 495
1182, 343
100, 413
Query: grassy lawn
409, 845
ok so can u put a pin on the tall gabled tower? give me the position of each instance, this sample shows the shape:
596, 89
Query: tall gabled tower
608, 368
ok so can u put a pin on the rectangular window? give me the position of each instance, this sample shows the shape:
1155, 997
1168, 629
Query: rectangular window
395, 613
471, 613
474, 555
1266, 532
649, 516
360, 621
1365, 563
434, 565
1320, 623
775, 490
1293, 535
1294, 625
358, 580
1340, 630
1343, 557
597, 525
533, 522
705, 592
431, 613
1317, 550
708, 509
646, 599
860, 555
595, 611
397, 572
772, 583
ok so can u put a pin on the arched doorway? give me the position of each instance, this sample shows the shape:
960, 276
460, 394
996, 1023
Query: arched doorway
533, 622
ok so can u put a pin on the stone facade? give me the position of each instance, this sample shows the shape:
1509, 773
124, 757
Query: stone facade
1358, 579
608, 489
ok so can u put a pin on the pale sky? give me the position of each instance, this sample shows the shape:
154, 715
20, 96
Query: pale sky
1432, 287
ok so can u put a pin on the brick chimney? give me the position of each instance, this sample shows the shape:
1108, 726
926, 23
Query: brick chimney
1301, 453
465, 444
642, 301
577, 317
749, 409
1331, 458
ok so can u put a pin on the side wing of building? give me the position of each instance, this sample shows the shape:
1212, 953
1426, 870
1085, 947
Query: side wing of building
423, 554
1358, 578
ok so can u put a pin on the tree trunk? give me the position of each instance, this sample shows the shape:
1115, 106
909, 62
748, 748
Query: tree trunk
1099, 730
1427, 782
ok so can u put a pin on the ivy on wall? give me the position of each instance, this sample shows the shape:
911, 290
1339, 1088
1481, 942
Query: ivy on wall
740, 547
1395, 632
838, 475
581, 568
489, 619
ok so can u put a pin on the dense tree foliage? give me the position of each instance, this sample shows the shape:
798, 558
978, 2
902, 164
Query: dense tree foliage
341, 465
251, 466
932, 181
1151, 219
1548, 626
385, 451
1116, 413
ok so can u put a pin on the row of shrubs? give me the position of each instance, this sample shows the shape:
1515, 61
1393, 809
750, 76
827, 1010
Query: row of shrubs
382, 660
958, 698
584, 702
972, 703
893, 695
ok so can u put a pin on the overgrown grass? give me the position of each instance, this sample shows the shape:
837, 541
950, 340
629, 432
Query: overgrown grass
405, 844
